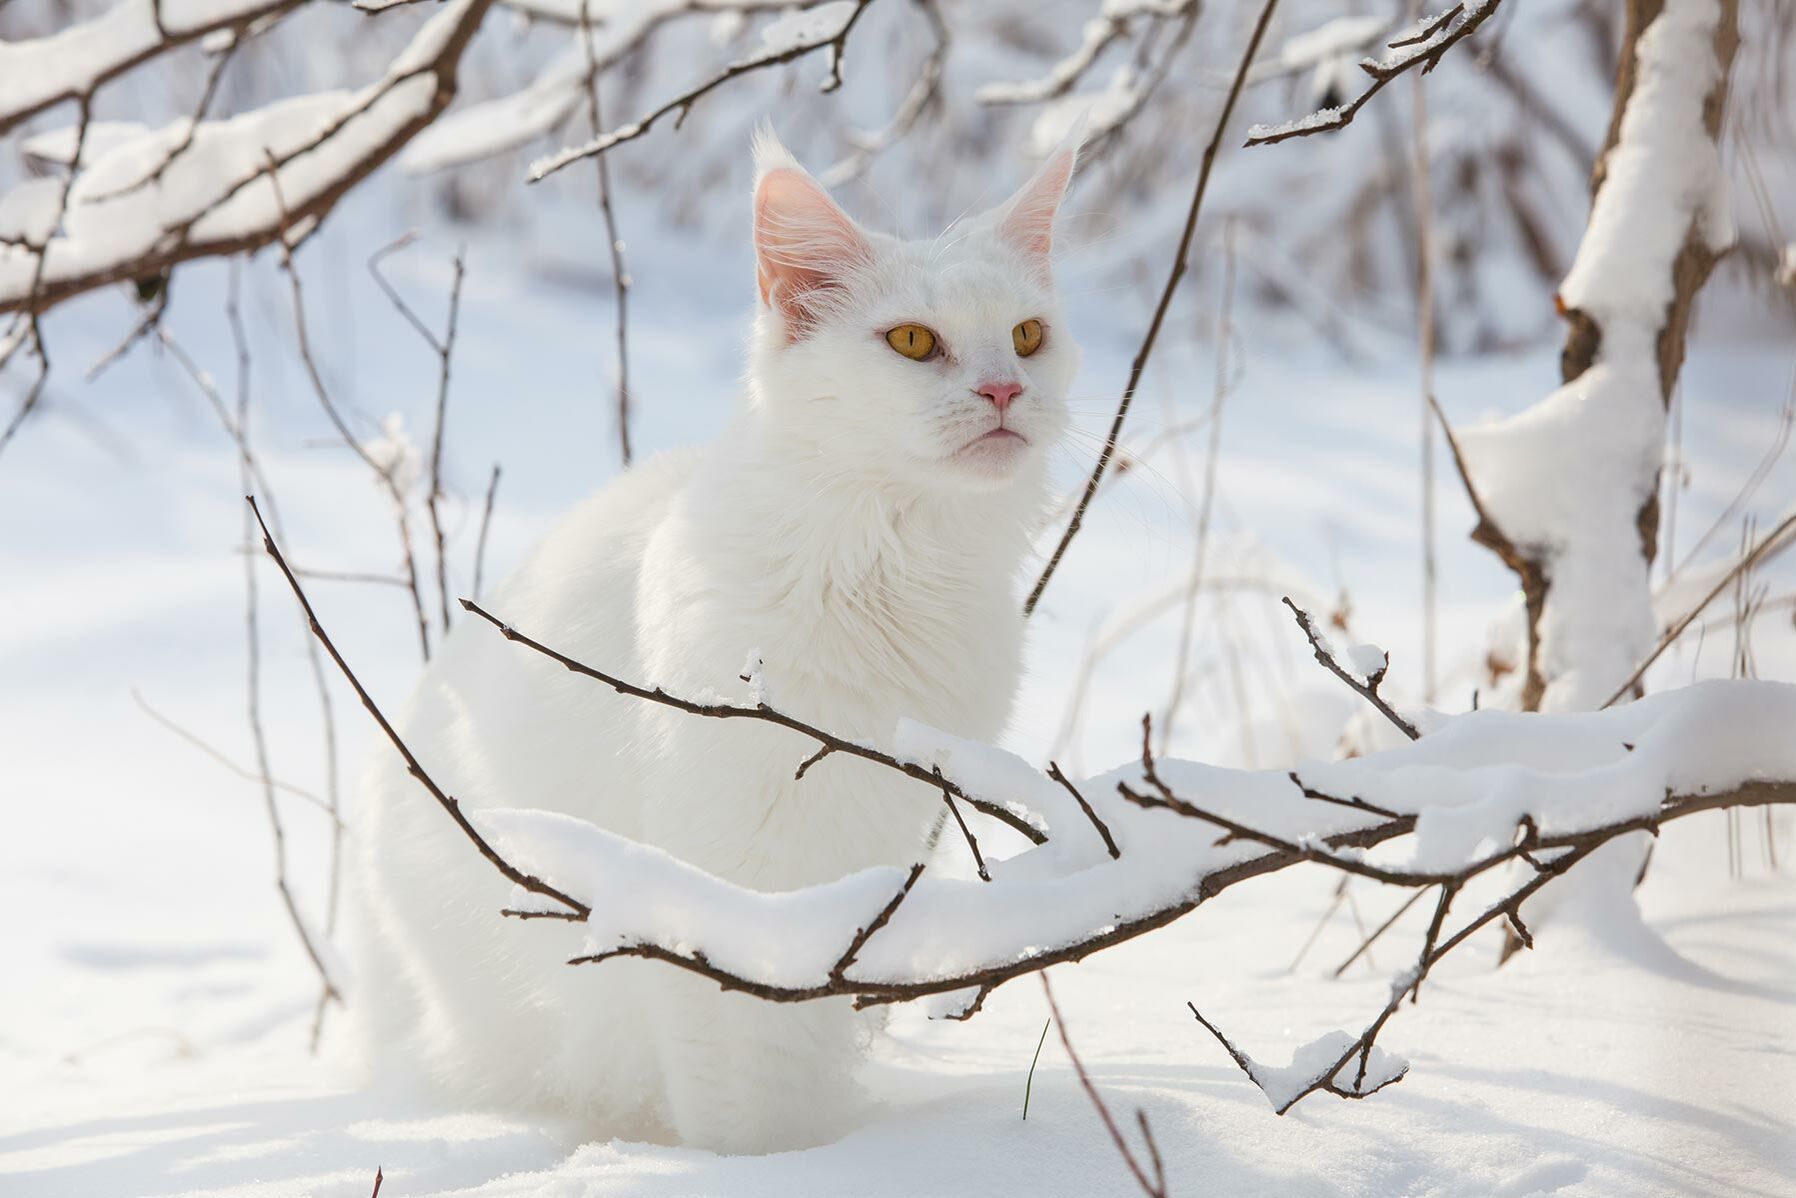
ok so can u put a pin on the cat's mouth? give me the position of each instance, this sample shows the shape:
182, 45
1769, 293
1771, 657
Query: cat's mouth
995, 449
996, 444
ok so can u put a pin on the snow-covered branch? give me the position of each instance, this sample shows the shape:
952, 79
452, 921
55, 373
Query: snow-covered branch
1566, 491
1423, 45
1485, 789
1482, 790
122, 220
73, 64
493, 126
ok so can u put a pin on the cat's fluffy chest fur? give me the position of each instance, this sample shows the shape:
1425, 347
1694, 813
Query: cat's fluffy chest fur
810, 534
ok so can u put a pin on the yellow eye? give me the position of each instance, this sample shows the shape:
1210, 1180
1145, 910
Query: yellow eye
1026, 337
913, 341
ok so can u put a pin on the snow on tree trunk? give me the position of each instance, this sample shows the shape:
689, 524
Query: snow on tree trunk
1568, 489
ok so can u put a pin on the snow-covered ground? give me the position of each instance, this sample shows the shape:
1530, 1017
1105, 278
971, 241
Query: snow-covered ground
155, 1008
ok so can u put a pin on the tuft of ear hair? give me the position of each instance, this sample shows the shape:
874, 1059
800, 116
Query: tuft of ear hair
805, 245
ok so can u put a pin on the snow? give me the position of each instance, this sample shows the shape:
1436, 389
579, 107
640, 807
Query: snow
1342, 35
58, 145
805, 27
1661, 175
1566, 479
481, 130
28, 211
1285, 1084
1322, 118
35, 72
217, 189
155, 1013
395, 455
1472, 781
1094, 37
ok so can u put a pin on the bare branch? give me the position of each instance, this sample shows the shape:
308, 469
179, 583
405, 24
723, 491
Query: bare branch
384, 473
1772, 543
1368, 689
978, 857
620, 277
444, 348
1154, 1187
218, 755
924, 93
770, 715
1103, 829
576, 910
486, 519
106, 47
356, 132
1179, 266
682, 104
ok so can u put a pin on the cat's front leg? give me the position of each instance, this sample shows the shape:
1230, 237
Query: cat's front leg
747, 1076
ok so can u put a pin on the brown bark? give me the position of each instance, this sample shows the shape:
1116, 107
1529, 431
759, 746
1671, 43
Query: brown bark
1584, 338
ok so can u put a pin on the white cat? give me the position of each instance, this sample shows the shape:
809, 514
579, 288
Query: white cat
860, 524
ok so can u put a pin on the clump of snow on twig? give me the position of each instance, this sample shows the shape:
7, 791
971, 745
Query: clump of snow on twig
806, 27
1285, 1084
394, 454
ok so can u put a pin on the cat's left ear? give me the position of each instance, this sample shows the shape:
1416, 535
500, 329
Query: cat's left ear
1026, 220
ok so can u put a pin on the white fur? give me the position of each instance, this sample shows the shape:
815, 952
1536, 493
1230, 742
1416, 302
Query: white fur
838, 527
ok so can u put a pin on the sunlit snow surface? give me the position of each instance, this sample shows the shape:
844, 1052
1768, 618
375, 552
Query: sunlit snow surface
155, 1006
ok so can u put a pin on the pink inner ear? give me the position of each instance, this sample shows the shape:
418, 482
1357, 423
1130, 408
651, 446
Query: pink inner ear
804, 244
1029, 218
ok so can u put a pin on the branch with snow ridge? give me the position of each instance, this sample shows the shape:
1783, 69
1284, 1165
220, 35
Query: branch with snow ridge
1423, 47
218, 197
1363, 680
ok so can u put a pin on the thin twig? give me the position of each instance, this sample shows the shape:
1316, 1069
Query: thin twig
682, 104
770, 715
978, 857
1103, 829
1766, 546
1155, 1187
218, 755
486, 519
1382, 73
1368, 689
1029, 1082
577, 910
1200, 551
620, 277
383, 473
1179, 266
1369, 941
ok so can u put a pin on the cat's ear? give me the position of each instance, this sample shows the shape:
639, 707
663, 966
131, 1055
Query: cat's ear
1026, 219
805, 246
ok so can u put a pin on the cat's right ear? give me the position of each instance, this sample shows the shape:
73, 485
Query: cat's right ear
805, 246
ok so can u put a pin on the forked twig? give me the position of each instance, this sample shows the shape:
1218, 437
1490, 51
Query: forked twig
1367, 689
770, 715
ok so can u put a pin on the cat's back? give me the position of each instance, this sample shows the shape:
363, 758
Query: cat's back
507, 726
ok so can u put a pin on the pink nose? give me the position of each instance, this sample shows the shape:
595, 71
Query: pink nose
1000, 394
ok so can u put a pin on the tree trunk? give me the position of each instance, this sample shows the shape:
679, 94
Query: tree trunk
1567, 491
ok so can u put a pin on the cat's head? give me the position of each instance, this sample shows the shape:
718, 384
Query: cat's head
943, 363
